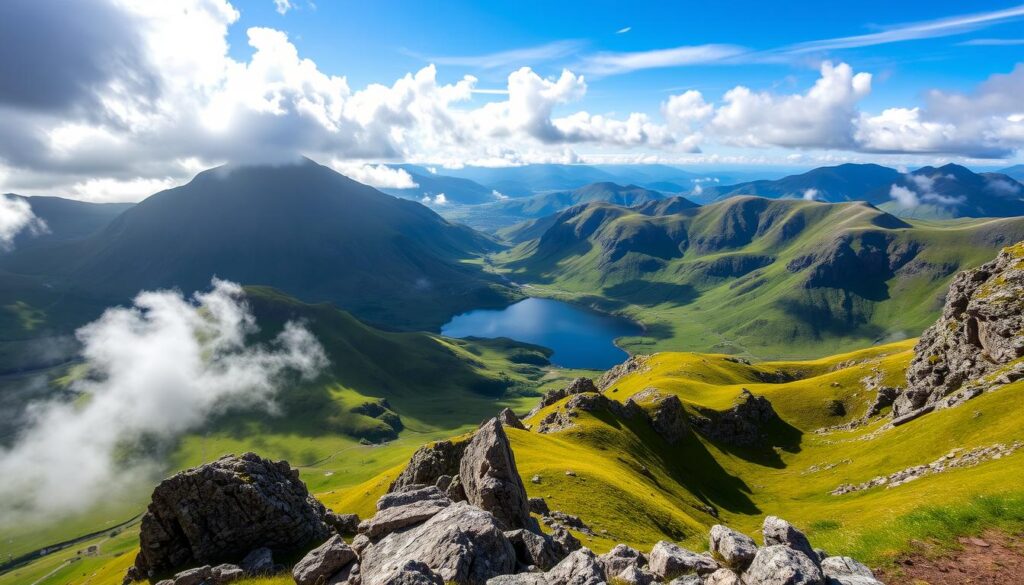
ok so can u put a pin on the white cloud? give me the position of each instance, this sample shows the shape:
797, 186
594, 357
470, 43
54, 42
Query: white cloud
157, 370
811, 195
283, 6
511, 58
498, 195
616, 63
439, 199
905, 197
379, 176
623, 30
16, 216
107, 190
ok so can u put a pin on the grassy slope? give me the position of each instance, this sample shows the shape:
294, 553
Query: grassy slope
629, 264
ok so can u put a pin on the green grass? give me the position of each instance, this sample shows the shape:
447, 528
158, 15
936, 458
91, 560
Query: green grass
705, 299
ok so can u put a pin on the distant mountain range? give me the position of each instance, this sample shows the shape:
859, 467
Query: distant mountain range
771, 277
1016, 172
66, 219
301, 228
949, 191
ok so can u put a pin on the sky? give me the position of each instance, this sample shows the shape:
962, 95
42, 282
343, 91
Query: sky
112, 100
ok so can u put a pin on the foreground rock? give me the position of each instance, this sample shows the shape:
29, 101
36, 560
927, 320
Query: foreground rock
429, 464
669, 561
323, 562
781, 565
981, 330
733, 549
490, 478
777, 531
846, 571
221, 511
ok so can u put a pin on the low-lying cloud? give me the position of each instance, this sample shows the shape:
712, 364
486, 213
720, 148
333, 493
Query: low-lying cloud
16, 216
155, 371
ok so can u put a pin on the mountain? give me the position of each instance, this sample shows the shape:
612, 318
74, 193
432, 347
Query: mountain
502, 214
952, 191
1016, 172
523, 181
301, 228
846, 182
67, 219
754, 275
455, 190
946, 192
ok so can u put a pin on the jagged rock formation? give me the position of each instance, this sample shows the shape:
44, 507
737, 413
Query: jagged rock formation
741, 425
577, 386
223, 510
490, 478
562, 418
429, 463
666, 413
981, 331
509, 419
636, 363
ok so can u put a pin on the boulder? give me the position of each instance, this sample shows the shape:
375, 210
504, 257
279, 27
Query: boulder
415, 573
509, 419
579, 568
981, 329
687, 580
226, 573
490, 478
782, 565
429, 463
636, 576
196, 576
535, 550
668, 561
538, 506
566, 542
323, 562
846, 571
461, 543
723, 577
519, 579
342, 523
731, 548
402, 498
621, 558
259, 561
389, 520
221, 510
777, 531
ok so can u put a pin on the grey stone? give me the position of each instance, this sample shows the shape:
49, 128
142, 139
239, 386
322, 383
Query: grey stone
490, 478
461, 543
519, 579
221, 510
723, 577
509, 419
635, 575
394, 499
342, 523
414, 573
741, 425
539, 506
846, 571
535, 549
429, 463
259, 561
733, 549
196, 576
389, 520
687, 580
621, 558
226, 573
323, 561
775, 530
668, 561
782, 565
666, 413
579, 568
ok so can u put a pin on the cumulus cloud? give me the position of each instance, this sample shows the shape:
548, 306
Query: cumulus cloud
16, 216
283, 6
154, 371
905, 197
810, 195
439, 199
379, 176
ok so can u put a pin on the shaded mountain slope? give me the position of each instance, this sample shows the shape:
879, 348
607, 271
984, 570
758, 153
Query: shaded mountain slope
67, 219
455, 189
847, 182
754, 275
301, 228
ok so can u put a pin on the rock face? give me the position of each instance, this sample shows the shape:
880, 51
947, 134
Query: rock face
740, 425
509, 419
777, 531
980, 331
666, 413
490, 479
577, 386
222, 510
637, 363
429, 463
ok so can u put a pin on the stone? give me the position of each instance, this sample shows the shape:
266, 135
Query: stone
226, 573
259, 561
519, 579
687, 580
723, 577
415, 573
220, 511
557, 518
980, 331
342, 523
566, 542
579, 568
577, 386
461, 543
323, 561
196, 576
394, 499
491, 480
389, 520
741, 425
733, 549
621, 558
429, 463
668, 561
509, 419
637, 363
534, 549
777, 531
635, 575
666, 413
846, 571
538, 506
782, 565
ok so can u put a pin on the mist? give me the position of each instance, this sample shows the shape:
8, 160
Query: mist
153, 371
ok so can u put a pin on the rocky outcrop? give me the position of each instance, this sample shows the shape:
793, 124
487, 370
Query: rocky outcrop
509, 419
429, 463
490, 478
742, 425
733, 549
981, 331
666, 413
564, 417
577, 386
635, 364
223, 510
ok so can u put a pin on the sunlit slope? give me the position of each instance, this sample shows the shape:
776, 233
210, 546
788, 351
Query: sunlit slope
757, 277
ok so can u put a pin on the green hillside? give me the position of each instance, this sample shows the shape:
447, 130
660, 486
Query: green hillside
753, 276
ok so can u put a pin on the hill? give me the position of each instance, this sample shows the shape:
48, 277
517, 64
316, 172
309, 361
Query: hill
301, 228
1016, 172
756, 276
846, 182
455, 189
67, 219
501, 214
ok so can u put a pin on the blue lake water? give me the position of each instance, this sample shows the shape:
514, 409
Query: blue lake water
579, 337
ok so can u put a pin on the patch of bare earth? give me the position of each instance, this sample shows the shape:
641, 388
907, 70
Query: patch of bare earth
994, 558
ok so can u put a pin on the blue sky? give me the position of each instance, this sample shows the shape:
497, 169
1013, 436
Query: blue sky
119, 98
